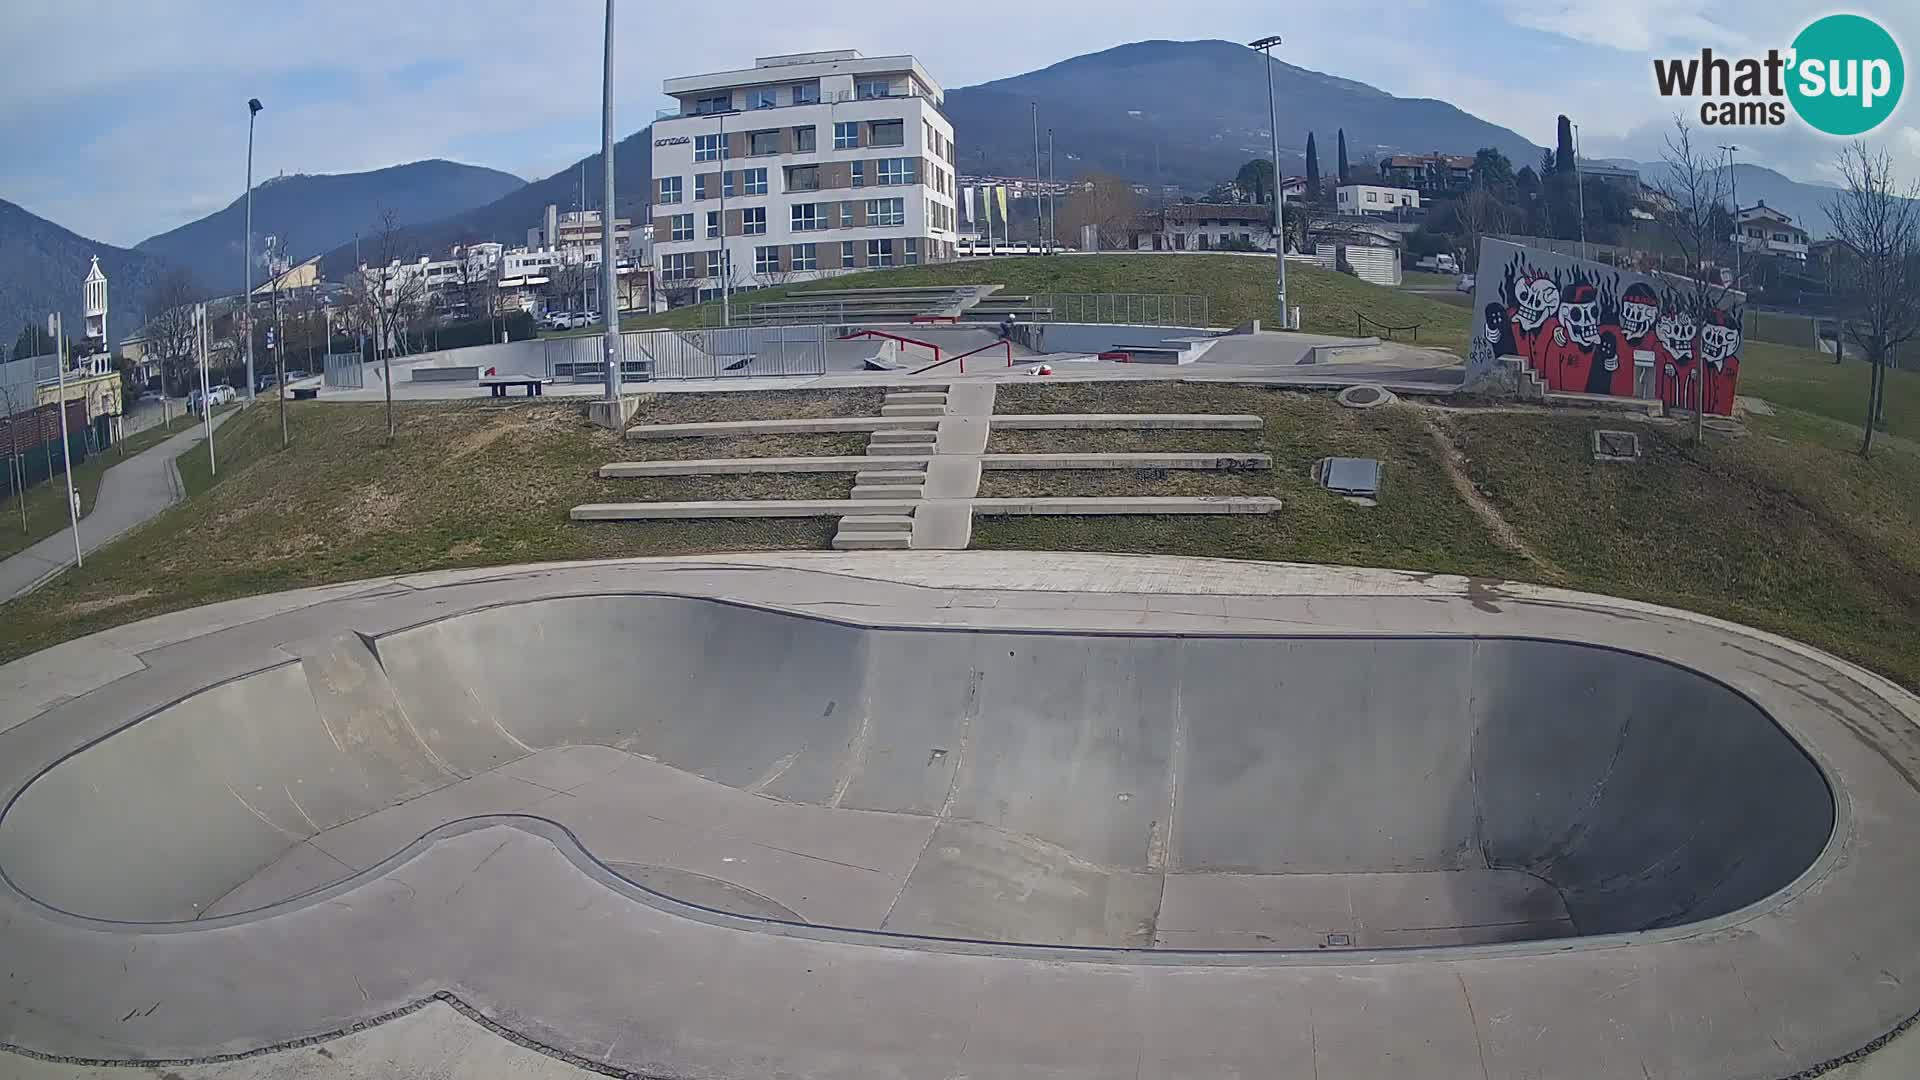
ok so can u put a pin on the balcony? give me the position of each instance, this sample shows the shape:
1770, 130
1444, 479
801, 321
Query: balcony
825, 99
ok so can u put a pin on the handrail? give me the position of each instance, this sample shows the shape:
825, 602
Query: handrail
989, 345
1360, 319
894, 337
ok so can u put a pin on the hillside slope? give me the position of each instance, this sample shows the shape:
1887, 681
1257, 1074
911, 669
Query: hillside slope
42, 265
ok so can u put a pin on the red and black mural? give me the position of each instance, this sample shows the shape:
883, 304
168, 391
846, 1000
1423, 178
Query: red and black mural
1588, 328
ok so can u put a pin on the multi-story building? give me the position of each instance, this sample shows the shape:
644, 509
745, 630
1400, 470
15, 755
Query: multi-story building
1433, 174
1374, 199
1762, 228
802, 166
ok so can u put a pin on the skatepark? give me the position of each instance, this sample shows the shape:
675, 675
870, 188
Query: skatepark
934, 812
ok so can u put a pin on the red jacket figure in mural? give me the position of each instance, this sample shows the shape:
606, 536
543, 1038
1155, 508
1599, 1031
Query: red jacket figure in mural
1720, 358
1634, 343
1674, 359
1574, 357
1533, 321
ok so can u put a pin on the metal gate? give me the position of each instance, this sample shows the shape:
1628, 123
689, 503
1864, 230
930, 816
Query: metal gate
343, 371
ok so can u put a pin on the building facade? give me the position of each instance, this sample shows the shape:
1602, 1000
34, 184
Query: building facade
1204, 227
1432, 174
801, 167
1762, 228
1373, 199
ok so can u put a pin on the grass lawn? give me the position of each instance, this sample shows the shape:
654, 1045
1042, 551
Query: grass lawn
1238, 288
47, 501
1811, 382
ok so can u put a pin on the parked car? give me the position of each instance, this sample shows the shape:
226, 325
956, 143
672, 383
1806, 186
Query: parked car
1438, 264
223, 395
1465, 284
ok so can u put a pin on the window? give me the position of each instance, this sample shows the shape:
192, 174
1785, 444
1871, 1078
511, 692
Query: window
719, 263
753, 220
713, 224
676, 267
806, 217
912, 251
762, 97
846, 253
1372, 196
763, 143
896, 170
859, 174
669, 189
846, 215
726, 185
886, 212
805, 257
755, 181
706, 147
681, 226
803, 139
878, 88
803, 178
887, 133
879, 253
718, 104
766, 260
846, 136
806, 93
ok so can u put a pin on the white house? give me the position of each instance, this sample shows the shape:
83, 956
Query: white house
1372, 199
1762, 228
801, 166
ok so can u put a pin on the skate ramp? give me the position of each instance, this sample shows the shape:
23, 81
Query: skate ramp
1193, 792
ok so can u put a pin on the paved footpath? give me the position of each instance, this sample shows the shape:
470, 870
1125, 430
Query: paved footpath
131, 492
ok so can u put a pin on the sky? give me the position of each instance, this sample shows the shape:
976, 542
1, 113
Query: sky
125, 118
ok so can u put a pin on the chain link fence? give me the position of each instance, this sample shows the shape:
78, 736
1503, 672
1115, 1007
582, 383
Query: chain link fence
1130, 309
343, 371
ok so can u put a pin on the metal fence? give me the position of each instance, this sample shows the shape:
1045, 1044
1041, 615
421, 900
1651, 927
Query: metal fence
1132, 309
741, 352
343, 371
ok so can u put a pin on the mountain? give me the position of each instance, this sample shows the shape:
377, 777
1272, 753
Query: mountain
1805, 203
1192, 112
313, 214
508, 217
42, 265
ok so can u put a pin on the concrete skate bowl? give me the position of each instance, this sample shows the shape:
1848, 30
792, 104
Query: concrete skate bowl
1108, 790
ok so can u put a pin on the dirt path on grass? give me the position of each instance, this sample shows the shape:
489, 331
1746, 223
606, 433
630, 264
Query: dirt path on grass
1455, 462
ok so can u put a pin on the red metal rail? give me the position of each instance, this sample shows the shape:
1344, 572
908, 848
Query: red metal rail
894, 337
989, 345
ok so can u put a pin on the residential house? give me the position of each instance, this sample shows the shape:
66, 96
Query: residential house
1373, 252
1762, 228
1430, 174
1372, 199
1203, 227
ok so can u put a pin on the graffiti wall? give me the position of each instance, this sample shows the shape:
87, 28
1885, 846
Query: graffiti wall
1588, 328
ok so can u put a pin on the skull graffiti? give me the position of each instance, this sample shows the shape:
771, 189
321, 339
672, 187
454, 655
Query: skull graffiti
1580, 316
1676, 334
1539, 297
1638, 310
1495, 319
1719, 339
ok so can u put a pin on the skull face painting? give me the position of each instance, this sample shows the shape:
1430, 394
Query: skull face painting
1673, 372
1676, 335
1580, 316
1719, 339
1638, 311
1720, 370
1539, 298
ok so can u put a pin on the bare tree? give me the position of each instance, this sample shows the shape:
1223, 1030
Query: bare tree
1879, 224
169, 331
387, 295
1693, 196
11, 405
565, 280
1480, 213
1105, 202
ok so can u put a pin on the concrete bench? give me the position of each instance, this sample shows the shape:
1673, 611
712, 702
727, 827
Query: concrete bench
305, 393
499, 384
462, 373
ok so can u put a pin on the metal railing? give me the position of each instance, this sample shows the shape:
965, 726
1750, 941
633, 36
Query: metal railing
343, 371
740, 352
1130, 309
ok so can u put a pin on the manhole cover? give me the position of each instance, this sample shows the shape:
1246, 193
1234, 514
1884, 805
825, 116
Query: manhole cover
1363, 397
1351, 476
1616, 446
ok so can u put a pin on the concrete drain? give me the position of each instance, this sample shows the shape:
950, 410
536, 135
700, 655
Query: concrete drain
1363, 397
1616, 446
1339, 941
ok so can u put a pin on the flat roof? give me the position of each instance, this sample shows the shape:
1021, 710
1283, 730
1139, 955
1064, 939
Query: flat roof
778, 69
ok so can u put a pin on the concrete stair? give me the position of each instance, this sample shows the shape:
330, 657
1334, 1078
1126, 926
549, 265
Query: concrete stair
904, 397
886, 491
874, 532
913, 410
884, 437
883, 476
918, 449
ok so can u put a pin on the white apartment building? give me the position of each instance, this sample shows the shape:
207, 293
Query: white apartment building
1762, 228
800, 167
1374, 199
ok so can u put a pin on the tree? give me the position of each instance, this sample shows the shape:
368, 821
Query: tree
1256, 179
169, 302
1480, 213
1693, 193
1565, 155
1879, 228
1105, 202
1492, 169
33, 341
388, 295
1346, 171
565, 281
1313, 168
1549, 165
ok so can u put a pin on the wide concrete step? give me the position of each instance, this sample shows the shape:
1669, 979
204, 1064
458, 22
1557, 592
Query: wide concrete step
1076, 506
913, 410
926, 436
886, 491
889, 450
1128, 421
730, 466
873, 541
817, 425
877, 523
910, 476
1229, 462
915, 398
739, 508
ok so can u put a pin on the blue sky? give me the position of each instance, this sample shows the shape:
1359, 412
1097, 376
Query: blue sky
128, 117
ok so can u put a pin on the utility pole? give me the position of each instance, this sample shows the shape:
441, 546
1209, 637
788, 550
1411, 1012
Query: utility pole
1265, 45
1039, 218
279, 352
726, 265
1739, 241
1053, 211
203, 340
609, 289
1580, 191
246, 298
55, 324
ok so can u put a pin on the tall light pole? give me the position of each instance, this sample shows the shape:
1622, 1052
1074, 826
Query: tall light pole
1733, 190
1580, 191
246, 298
58, 328
1053, 212
1265, 45
609, 286
726, 265
1039, 217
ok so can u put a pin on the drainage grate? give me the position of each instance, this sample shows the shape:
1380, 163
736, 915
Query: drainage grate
1351, 476
1616, 446
1339, 941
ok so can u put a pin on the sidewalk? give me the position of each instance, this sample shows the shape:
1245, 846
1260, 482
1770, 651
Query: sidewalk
130, 493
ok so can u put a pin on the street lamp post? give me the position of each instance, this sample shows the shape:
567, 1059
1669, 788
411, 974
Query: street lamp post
1733, 191
609, 286
1265, 45
246, 298
1580, 191
58, 328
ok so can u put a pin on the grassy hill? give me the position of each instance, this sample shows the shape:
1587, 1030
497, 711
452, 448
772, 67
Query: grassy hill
1237, 288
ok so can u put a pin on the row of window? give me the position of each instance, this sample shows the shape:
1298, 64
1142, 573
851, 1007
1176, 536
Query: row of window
769, 97
807, 217
768, 259
877, 172
846, 136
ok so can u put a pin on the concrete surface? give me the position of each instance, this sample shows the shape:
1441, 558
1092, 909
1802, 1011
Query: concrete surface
1124, 504
131, 493
1128, 421
1108, 752
738, 508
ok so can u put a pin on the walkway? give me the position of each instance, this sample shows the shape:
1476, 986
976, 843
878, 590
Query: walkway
130, 493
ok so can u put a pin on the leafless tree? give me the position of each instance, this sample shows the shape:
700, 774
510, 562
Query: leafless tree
1105, 202
169, 331
1693, 194
565, 281
1879, 224
1480, 214
388, 294
11, 405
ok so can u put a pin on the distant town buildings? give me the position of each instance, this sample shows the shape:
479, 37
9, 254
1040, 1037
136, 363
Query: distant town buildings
1762, 228
1374, 199
1203, 227
1430, 174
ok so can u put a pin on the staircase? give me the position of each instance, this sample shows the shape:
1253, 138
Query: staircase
887, 479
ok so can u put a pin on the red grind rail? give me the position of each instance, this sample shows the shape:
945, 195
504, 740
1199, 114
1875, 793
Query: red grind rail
894, 337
